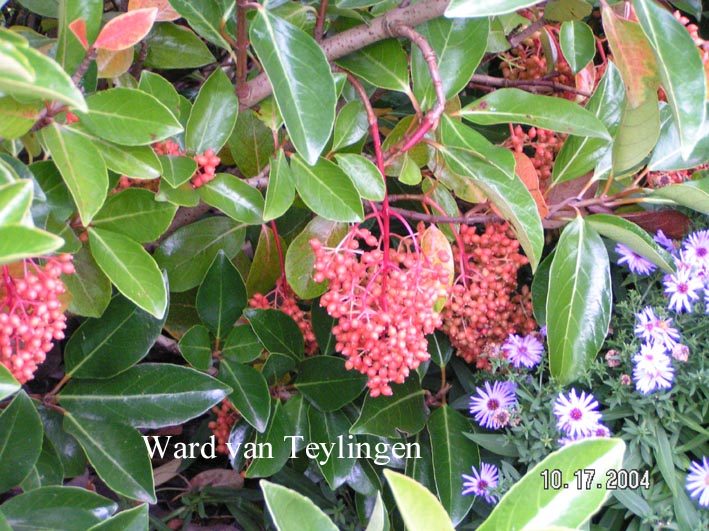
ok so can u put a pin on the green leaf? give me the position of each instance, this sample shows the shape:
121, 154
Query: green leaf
327, 384
577, 44
580, 154
39, 509
251, 144
419, 508
117, 453
204, 16
327, 190
452, 453
135, 519
510, 196
137, 162
129, 117
150, 395
102, 348
17, 118
410, 172
277, 367
250, 394
667, 154
637, 134
275, 436
291, 510
237, 199
172, 46
388, 416
177, 170
684, 80
70, 52
629, 234
267, 269
90, 289
135, 213
567, 10
277, 331
81, 166
579, 312
18, 242
514, 105
351, 125
379, 520
222, 296
187, 254
485, 8
20, 440
161, 88
459, 45
527, 505
540, 290
131, 269
50, 180
383, 64
196, 347
280, 191
331, 429
364, 175
242, 345
302, 82
213, 114
692, 194
68, 449
8, 385
48, 470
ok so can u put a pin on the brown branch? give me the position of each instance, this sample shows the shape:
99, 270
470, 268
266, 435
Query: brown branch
355, 39
242, 48
530, 30
490, 81
320, 21
84, 66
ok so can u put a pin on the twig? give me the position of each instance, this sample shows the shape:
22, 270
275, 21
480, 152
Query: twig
168, 344
490, 81
530, 30
84, 66
138, 65
320, 21
242, 48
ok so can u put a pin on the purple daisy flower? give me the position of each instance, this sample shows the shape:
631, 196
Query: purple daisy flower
698, 481
653, 329
598, 431
653, 369
668, 243
577, 415
481, 483
695, 249
682, 287
488, 403
525, 350
636, 263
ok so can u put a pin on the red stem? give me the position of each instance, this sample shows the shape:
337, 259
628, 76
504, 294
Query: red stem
280, 256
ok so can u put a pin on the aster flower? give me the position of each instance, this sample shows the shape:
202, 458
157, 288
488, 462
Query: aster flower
667, 243
525, 350
636, 263
653, 369
682, 287
698, 481
695, 249
599, 430
481, 483
577, 415
653, 329
488, 403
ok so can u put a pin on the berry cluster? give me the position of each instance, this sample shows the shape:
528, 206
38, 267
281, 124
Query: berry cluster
207, 161
31, 316
384, 300
693, 30
282, 298
542, 148
485, 306
227, 416
658, 179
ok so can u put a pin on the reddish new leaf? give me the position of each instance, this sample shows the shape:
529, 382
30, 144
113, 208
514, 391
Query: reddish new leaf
126, 30
673, 223
525, 170
78, 28
165, 11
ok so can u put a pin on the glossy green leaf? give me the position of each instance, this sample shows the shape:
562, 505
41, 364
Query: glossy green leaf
277, 331
510, 196
578, 314
280, 192
70, 52
237, 199
327, 384
187, 254
204, 16
322, 327
117, 453
70, 453
629, 234
410, 172
137, 162
291, 510
56, 192
47, 470
383, 64
251, 144
667, 154
485, 8
81, 166
90, 289
577, 44
177, 170
684, 80
16, 118
129, 117
540, 289
296, 410
351, 125
517, 106
131, 269
38, 509
20, 440
15, 201
459, 45
580, 154
102, 348
213, 115
135, 213
567, 10
149, 395
692, 194
222, 296
18, 242
172, 46
135, 519
242, 345
637, 135
364, 175
156, 85
388, 416
331, 429
275, 435
300, 259
379, 520
266, 263
327, 190
527, 505
302, 82
8, 384
419, 508
277, 367
250, 394
196, 347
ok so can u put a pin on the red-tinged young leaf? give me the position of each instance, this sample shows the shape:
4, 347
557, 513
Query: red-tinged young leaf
126, 30
78, 28
525, 170
165, 11
673, 223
